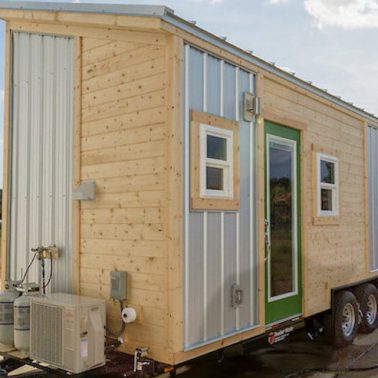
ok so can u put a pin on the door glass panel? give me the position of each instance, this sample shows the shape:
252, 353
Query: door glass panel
281, 204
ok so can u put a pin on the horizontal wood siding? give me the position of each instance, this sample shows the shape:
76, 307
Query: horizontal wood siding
333, 254
131, 147
123, 148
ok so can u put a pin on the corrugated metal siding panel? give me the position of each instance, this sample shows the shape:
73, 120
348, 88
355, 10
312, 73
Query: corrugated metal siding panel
214, 323
230, 271
246, 260
219, 247
372, 151
41, 154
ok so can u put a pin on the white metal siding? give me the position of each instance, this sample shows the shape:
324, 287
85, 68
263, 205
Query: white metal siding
41, 154
372, 152
220, 247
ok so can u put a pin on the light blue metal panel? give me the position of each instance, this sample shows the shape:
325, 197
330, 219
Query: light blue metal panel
229, 91
214, 283
215, 256
196, 79
41, 154
196, 283
245, 216
230, 273
213, 85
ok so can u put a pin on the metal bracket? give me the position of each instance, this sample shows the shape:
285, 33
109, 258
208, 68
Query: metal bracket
86, 191
236, 296
251, 106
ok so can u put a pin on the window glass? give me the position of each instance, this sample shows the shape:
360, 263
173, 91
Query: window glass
216, 147
326, 199
214, 178
327, 172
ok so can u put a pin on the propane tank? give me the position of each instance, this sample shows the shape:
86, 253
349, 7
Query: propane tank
7, 298
22, 317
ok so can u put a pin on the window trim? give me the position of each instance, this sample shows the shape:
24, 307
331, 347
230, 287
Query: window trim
207, 200
226, 166
333, 187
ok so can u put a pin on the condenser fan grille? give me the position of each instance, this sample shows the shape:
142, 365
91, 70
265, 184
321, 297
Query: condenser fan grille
46, 334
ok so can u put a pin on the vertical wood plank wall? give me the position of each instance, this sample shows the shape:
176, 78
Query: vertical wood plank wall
334, 254
123, 149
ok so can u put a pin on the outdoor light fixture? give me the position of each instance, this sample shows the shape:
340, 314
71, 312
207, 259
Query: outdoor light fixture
251, 106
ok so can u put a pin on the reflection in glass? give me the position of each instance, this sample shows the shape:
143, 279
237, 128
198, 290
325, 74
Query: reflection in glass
214, 178
216, 148
327, 172
326, 199
281, 218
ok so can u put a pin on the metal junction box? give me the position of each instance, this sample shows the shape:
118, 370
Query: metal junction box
118, 285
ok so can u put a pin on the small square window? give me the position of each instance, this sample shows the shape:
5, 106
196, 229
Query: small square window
214, 162
327, 185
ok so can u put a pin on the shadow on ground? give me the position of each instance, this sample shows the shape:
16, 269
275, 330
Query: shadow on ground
291, 358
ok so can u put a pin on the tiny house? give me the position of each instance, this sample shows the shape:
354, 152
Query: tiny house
236, 196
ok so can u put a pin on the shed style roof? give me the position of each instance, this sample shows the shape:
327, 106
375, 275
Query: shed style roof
127, 9
167, 14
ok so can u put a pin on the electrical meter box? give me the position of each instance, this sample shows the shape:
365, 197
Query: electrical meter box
118, 285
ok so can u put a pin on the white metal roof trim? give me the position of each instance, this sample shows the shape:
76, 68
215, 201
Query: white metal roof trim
129, 9
168, 16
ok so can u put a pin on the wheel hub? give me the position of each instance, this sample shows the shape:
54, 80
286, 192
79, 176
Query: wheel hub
371, 309
349, 320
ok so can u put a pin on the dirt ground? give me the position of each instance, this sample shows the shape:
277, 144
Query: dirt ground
293, 358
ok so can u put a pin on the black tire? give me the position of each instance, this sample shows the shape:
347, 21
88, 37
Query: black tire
367, 297
345, 319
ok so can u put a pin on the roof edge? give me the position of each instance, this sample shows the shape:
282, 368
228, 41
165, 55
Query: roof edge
121, 9
167, 14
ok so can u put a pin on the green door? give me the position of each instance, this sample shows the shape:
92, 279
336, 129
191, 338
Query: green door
283, 298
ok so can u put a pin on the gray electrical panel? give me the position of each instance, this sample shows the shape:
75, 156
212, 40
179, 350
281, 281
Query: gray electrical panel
118, 285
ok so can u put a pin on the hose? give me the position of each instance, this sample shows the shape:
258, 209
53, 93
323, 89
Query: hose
111, 347
51, 270
27, 269
123, 326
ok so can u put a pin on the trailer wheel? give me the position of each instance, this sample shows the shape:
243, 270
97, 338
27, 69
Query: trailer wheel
345, 318
367, 297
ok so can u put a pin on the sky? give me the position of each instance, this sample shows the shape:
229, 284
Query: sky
332, 43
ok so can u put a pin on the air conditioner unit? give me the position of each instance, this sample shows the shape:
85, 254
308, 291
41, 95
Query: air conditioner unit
67, 331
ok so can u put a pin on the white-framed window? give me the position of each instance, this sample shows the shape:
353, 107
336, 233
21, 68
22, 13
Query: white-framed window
327, 185
216, 162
